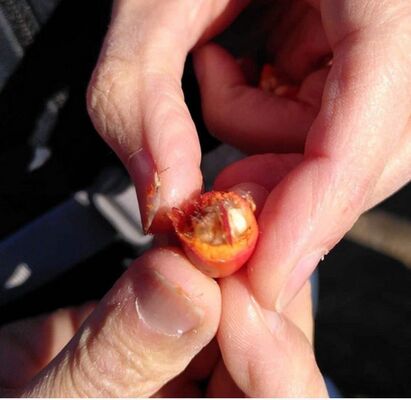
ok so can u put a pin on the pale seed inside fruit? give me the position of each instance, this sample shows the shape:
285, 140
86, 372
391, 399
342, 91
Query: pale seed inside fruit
209, 227
237, 221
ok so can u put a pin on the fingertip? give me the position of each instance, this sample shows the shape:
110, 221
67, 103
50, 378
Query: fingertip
243, 115
171, 263
214, 66
265, 353
166, 169
144, 174
266, 170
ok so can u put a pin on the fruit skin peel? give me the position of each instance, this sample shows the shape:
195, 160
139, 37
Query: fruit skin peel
218, 231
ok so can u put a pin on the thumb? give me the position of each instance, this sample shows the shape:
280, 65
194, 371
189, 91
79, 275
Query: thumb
266, 353
145, 331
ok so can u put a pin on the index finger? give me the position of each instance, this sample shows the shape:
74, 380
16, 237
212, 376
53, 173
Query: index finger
136, 101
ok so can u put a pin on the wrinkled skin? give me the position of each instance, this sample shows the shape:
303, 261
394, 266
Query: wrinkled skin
347, 147
349, 124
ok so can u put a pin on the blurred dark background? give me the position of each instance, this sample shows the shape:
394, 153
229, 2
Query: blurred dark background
48, 49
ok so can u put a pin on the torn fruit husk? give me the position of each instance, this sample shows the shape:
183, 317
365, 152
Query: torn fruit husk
218, 231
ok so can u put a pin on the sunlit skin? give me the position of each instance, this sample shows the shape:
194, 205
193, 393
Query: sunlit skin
345, 144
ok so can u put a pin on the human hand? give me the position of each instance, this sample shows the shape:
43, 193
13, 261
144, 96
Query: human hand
266, 353
141, 335
352, 120
152, 335
135, 98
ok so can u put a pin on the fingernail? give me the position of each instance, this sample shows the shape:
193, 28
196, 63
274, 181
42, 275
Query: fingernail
297, 278
271, 319
163, 306
146, 179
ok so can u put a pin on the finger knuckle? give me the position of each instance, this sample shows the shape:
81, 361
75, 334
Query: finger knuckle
124, 368
108, 99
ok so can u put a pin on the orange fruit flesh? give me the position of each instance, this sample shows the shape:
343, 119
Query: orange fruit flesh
218, 228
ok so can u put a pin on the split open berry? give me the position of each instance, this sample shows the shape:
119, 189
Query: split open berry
218, 231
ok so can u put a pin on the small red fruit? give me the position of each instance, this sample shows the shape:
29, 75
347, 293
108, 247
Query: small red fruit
218, 231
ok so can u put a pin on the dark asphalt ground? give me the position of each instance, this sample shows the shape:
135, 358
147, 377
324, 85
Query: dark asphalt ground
363, 326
